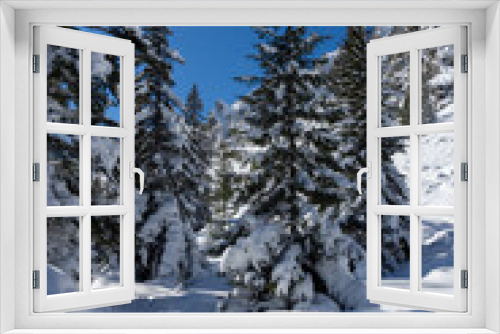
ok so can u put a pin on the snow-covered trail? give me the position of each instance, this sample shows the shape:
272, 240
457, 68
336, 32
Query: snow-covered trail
201, 295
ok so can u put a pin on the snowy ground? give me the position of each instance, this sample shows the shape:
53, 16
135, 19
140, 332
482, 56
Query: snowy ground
202, 295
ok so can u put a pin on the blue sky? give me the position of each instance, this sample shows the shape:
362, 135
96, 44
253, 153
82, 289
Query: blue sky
215, 55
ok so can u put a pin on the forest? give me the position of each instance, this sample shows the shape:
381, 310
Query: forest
249, 205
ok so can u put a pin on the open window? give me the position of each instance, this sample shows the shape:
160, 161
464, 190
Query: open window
431, 142
84, 165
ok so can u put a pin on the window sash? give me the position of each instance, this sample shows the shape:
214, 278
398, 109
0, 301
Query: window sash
412, 43
86, 43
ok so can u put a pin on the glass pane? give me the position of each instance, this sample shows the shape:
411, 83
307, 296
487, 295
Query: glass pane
395, 89
395, 170
105, 89
436, 152
437, 84
395, 257
63, 84
437, 254
105, 171
63, 170
105, 251
63, 255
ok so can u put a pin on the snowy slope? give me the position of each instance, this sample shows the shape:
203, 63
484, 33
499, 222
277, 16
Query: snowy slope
202, 295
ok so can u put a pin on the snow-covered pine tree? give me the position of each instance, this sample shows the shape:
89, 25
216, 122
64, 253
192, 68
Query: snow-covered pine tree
275, 265
345, 139
285, 115
437, 84
221, 192
193, 109
165, 213
224, 179
215, 226
347, 84
197, 158
342, 265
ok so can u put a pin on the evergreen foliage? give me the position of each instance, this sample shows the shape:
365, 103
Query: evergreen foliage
286, 115
194, 107
167, 149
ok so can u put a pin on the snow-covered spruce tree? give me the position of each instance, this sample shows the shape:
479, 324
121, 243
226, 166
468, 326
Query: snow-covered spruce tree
63, 87
213, 128
342, 265
343, 236
198, 158
193, 109
347, 84
219, 184
275, 267
230, 160
225, 164
437, 84
165, 212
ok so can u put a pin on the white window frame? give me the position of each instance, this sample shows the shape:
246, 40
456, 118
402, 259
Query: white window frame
484, 101
85, 43
412, 44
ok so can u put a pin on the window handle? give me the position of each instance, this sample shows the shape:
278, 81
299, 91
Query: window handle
139, 171
368, 171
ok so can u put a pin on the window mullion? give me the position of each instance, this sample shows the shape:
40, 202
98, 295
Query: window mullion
431, 211
81, 237
434, 128
86, 119
102, 131
418, 129
86, 171
85, 250
414, 171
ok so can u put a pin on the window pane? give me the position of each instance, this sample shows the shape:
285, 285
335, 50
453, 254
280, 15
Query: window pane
436, 153
395, 257
63, 170
395, 170
63, 84
105, 89
395, 89
63, 255
437, 84
105, 251
437, 254
105, 171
